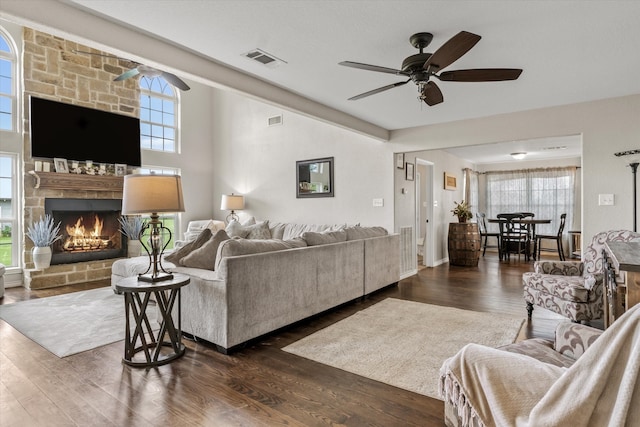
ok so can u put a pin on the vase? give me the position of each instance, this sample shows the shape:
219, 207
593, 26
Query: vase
462, 219
41, 257
134, 247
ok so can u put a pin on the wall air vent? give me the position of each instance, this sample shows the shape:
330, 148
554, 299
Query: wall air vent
264, 58
275, 120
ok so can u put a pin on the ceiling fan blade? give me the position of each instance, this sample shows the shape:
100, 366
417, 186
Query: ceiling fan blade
175, 81
127, 75
373, 68
481, 75
452, 50
431, 94
380, 89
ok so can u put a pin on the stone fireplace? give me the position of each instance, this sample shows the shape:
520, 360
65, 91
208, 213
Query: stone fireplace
89, 229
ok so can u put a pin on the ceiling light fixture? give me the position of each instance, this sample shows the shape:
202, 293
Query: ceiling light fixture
519, 155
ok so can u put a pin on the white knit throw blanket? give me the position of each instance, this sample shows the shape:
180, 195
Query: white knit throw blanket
492, 387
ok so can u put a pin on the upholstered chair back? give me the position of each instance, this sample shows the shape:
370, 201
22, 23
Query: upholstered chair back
592, 256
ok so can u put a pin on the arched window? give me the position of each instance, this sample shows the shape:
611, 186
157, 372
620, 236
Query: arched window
7, 84
158, 115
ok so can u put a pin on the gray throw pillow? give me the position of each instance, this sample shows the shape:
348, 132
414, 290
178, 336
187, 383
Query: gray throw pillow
246, 231
314, 239
180, 253
205, 256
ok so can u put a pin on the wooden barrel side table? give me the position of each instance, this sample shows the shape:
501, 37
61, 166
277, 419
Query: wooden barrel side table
464, 244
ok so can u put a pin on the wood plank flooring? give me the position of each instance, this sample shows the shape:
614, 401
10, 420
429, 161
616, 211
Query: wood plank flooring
258, 386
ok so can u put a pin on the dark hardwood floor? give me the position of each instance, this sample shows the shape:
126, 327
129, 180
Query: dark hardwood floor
258, 386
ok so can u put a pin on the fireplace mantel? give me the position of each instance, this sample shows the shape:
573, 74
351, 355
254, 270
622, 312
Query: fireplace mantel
70, 181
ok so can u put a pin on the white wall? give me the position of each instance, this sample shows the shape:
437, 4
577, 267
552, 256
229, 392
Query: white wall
607, 126
259, 161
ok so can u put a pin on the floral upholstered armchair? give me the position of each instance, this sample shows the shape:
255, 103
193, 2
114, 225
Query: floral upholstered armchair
573, 288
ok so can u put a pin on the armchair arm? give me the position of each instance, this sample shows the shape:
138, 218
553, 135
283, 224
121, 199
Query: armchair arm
573, 339
561, 268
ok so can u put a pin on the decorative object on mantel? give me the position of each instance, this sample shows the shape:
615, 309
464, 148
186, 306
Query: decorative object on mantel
43, 233
153, 194
232, 202
462, 211
61, 165
634, 162
131, 227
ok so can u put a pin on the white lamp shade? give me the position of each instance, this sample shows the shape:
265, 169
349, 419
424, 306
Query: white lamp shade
232, 202
152, 194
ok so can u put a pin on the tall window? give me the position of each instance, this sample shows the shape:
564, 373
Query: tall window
7, 86
8, 211
546, 192
158, 115
171, 221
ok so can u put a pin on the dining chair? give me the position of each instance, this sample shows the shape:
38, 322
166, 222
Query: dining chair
557, 237
514, 236
484, 234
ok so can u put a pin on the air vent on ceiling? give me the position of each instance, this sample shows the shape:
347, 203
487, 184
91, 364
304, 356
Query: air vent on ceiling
561, 147
264, 58
275, 120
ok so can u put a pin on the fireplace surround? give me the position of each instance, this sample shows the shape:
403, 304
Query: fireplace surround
89, 229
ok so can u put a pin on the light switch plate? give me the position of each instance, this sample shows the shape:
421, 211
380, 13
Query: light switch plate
605, 200
378, 203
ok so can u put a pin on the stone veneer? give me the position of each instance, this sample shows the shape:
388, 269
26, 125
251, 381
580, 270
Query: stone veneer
53, 71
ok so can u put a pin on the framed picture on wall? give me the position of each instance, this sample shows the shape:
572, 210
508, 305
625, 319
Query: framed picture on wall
450, 182
400, 160
410, 172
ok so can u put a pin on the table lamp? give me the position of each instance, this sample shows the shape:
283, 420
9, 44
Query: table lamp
232, 202
153, 194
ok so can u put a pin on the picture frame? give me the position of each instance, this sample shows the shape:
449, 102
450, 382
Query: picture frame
60, 165
450, 181
400, 160
409, 172
120, 169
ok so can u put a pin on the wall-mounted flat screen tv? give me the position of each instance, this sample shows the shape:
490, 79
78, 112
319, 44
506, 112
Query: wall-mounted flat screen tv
77, 133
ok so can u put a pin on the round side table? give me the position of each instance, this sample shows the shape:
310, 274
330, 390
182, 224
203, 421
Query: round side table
143, 339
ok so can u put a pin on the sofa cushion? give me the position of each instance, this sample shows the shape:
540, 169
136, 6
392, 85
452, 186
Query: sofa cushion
291, 231
235, 247
175, 256
357, 232
249, 231
314, 239
540, 349
205, 255
568, 288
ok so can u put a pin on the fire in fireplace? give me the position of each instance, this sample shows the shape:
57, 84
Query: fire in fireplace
89, 228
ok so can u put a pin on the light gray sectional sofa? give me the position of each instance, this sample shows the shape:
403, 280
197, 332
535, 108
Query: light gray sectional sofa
295, 271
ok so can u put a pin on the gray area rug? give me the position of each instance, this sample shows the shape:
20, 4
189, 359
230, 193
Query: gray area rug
404, 343
71, 323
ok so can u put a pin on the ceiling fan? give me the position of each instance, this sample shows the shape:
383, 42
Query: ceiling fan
421, 67
143, 70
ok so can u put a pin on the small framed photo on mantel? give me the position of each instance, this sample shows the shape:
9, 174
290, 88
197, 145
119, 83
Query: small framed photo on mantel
61, 165
121, 170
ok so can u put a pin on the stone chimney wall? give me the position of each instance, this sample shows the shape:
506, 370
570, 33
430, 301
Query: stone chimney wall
53, 71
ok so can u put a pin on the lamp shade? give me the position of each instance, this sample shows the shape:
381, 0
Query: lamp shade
152, 194
232, 202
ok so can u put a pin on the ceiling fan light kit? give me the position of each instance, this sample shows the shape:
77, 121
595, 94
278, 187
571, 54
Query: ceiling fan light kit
519, 155
421, 67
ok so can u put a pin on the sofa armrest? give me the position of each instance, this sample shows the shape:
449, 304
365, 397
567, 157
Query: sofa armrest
573, 339
560, 268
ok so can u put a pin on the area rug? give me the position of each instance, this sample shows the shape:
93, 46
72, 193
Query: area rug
404, 343
71, 323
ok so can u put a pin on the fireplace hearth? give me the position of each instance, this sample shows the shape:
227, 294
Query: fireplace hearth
89, 228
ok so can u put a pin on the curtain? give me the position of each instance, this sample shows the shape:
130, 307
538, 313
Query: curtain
471, 189
547, 193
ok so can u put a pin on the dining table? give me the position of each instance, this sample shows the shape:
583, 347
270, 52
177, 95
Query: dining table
528, 221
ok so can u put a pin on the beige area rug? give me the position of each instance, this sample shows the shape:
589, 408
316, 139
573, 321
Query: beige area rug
72, 323
404, 343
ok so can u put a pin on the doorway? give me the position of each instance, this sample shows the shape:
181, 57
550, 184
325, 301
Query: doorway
424, 213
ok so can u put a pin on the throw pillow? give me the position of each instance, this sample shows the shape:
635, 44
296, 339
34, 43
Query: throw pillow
205, 255
357, 232
245, 231
185, 250
235, 229
314, 239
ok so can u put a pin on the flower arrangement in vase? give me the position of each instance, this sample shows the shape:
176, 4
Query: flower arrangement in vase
462, 211
131, 227
43, 233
